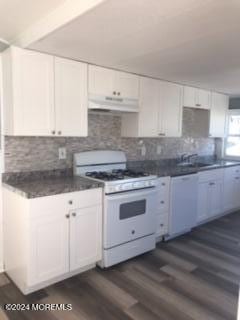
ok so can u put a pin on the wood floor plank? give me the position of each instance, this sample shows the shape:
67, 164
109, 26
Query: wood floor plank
193, 277
219, 299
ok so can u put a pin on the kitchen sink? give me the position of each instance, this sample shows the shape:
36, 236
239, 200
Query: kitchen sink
196, 165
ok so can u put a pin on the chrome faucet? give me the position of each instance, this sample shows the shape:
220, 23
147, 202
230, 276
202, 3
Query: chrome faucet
192, 156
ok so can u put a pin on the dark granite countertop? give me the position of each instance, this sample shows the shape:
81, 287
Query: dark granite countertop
40, 187
171, 168
46, 183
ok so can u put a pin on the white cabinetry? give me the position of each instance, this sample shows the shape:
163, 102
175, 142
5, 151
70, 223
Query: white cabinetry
43, 95
28, 92
160, 111
112, 83
210, 194
163, 186
231, 195
54, 237
71, 97
196, 98
219, 107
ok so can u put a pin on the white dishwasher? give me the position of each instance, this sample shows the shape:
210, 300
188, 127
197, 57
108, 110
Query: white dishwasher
183, 204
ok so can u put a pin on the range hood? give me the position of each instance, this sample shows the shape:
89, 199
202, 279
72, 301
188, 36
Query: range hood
112, 104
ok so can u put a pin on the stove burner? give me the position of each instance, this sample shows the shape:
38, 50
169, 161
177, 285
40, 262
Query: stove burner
117, 174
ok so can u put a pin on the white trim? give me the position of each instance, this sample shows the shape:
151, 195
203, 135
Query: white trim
230, 112
57, 18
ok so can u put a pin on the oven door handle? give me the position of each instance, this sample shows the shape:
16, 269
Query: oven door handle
134, 193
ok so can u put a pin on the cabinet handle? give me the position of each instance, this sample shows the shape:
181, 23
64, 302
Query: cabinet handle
74, 214
70, 202
59, 132
211, 183
198, 105
114, 93
119, 93
237, 178
133, 231
53, 132
67, 216
162, 202
161, 225
163, 184
161, 134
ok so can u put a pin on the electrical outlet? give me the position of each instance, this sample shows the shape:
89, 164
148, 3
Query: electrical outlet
62, 153
159, 149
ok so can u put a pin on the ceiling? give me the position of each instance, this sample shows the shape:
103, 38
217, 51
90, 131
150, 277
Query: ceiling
188, 41
18, 15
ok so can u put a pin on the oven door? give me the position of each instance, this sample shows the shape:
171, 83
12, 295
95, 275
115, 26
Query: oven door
129, 216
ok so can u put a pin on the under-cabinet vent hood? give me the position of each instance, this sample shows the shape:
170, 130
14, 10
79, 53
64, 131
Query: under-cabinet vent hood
113, 104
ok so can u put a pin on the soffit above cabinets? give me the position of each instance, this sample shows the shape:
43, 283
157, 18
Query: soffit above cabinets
186, 41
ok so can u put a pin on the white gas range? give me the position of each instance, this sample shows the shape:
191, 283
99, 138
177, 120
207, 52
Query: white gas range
130, 202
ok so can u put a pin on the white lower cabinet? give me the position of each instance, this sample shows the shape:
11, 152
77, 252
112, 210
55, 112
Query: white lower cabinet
210, 194
163, 186
231, 195
85, 228
56, 237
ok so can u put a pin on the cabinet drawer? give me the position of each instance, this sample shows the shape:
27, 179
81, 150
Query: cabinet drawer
162, 224
232, 172
215, 174
65, 202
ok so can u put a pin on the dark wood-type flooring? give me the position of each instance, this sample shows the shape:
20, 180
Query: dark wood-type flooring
195, 276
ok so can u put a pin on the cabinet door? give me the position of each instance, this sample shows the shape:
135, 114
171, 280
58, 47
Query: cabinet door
203, 99
85, 237
218, 113
171, 109
126, 85
149, 107
189, 97
70, 97
215, 198
33, 87
203, 207
101, 81
236, 194
49, 243
229, 195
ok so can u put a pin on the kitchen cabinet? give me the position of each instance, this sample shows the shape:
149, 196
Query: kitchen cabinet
163, 189
112, 83
196, 98
210, 194
71, 98
218, 112
43, 95
55, 236
28, 86
231, 199
160, 112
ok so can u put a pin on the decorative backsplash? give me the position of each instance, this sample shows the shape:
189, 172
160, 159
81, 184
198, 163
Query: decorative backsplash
41, 153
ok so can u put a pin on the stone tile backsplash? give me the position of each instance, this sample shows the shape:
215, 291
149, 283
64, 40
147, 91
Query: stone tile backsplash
41, 153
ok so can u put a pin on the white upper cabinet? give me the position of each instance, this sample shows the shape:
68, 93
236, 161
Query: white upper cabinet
100, 81
43, 95
28, 86
112, 83
149, 107
70, 97
160, 112
196, 98
170, 115
127, 85
219, 107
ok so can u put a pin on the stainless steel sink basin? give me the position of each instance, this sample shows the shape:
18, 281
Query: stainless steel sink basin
196, 165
